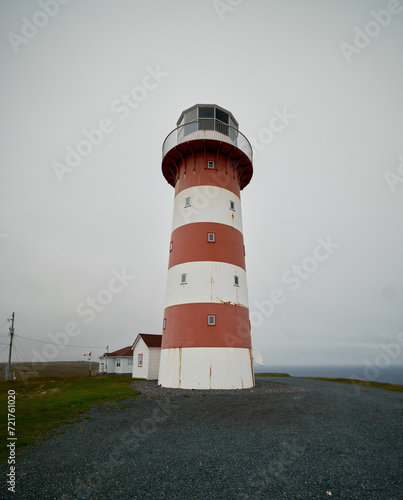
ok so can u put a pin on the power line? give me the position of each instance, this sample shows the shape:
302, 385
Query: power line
16, 354
63, 345
21, 350
3, 324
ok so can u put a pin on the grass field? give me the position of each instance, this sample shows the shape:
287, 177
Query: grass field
46, 403
378, 385
52, 369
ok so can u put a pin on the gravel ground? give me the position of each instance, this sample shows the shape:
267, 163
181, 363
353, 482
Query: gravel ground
286, 438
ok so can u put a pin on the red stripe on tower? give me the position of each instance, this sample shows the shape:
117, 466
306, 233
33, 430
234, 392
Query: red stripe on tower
207, 241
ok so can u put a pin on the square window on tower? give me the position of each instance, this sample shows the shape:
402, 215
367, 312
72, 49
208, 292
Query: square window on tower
184, 279
211, 237
210, 164
164, 325
211, 320
187, 201
232, 205
171, 246
236, 280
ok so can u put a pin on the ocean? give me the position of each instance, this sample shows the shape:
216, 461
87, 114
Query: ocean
391, 375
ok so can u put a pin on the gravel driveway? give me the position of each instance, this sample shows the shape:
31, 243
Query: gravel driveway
286, 438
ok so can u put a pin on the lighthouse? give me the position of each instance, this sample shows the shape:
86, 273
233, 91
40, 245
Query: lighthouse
206, 334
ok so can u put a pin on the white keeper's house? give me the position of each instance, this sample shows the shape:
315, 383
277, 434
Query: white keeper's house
146, 351
117, 362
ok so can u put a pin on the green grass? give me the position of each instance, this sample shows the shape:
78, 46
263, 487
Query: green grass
23, 371
377, 385
44, 403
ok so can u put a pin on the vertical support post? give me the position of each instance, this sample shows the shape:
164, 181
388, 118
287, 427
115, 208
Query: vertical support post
9, 376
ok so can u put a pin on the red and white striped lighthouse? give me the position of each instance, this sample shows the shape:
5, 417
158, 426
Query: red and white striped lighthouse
206, 341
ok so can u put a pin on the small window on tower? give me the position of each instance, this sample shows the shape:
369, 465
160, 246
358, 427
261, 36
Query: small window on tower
170, 246
211, 237
187, 202
164, 325
183, 279
211, 320
236, 280
232, 205
210, 164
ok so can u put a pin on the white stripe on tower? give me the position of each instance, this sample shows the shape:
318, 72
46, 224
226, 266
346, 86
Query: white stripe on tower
206, 282
207, 204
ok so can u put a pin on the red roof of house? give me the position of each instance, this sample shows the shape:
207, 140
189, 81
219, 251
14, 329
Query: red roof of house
150, 339
126, 351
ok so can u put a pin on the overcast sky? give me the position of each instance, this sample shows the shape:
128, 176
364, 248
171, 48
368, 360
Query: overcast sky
326, 173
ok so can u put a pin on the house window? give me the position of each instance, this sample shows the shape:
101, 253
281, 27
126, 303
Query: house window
211, 237
236, 280
130, 362
183, 279
118, 363
210, 164
232, 205
140, 360
211, 320
187, 201
164, 324
170, 246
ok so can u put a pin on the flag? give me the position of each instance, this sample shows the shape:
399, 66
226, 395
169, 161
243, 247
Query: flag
89, 356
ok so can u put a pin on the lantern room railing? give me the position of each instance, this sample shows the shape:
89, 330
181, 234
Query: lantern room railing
207, 129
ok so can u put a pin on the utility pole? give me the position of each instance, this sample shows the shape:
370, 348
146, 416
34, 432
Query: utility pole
11, 347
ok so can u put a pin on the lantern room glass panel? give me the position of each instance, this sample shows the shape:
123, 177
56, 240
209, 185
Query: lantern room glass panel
208, 118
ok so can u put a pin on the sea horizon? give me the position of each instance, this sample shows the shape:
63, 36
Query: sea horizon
391, 375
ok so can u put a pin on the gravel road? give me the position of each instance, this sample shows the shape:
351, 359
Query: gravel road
284, 439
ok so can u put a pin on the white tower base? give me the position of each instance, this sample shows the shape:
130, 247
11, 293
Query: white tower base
206, 368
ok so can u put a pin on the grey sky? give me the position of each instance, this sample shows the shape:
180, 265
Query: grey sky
321, 176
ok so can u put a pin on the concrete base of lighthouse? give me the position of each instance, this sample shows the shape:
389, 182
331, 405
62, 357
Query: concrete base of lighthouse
206, 368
